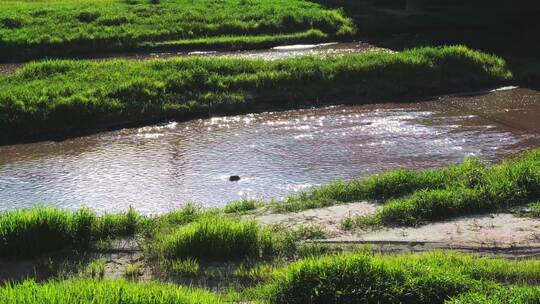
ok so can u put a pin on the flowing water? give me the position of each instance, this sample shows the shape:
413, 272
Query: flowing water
159, 168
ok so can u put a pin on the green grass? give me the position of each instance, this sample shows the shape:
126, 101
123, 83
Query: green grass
188, 267
68, 97
103, 292
420, 278
240, 42
241, 206
95, 269
214, 238
512, 183
534, 210
385, 186
41, 230
513, 294
133, 270
35, 29
362, 277
412, 197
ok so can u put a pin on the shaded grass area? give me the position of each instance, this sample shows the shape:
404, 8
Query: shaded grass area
426, 278
97, 291
41, 230
482, 24
497, 27
69, 97
412, 197
52, 28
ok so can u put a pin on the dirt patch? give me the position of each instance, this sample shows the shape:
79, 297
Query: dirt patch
491, 230
328, 218
500, 234
9, 68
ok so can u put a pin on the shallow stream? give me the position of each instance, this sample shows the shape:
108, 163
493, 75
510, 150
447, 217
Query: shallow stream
159, 168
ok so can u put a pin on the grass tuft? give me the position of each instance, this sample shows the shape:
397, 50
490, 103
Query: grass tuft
41, 230
241, 206
214, 238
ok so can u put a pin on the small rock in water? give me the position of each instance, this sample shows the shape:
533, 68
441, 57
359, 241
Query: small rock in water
234, 178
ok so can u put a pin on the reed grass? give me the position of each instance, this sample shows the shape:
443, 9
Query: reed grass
514, 182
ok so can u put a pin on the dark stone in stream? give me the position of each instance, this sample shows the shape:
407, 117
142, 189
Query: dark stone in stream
234, 178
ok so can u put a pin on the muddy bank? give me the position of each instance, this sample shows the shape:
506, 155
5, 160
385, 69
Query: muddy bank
495, 235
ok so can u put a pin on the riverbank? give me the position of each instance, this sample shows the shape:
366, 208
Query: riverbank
496, 188
48, 29
248, 252
55, 98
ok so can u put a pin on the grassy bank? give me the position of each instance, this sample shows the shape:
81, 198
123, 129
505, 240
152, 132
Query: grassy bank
362, 277
412, 197
69, 97
514, 182
409, 198
34, 232
36, 29
434, 277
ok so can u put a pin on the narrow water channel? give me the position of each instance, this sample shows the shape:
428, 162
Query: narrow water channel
159, 168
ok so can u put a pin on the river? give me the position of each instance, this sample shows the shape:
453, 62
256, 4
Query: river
159, 168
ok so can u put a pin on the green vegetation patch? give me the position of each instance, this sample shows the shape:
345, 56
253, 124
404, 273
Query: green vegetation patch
242, 206
534, 210
512, 183
411, 197
518, 295
41, 230
362, 277
422, 278
65, 97
34, 29
103, 291
214, 238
